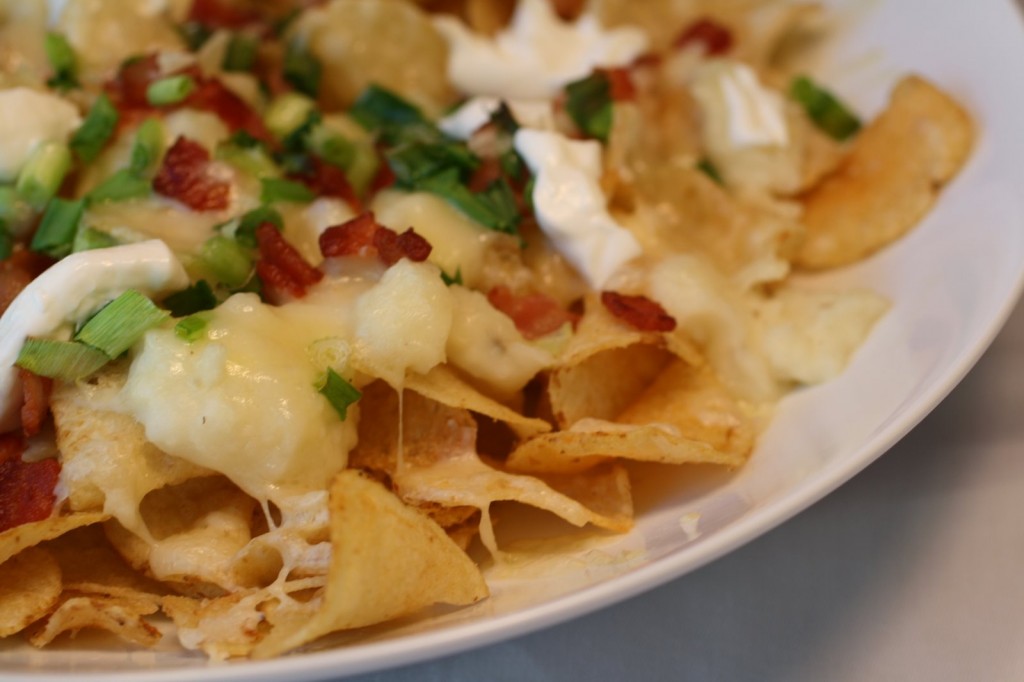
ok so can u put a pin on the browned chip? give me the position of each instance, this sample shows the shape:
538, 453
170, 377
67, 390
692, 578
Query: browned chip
90, 565
18, 538
29, 589
388, 561
890, 180
223, 627
120, 615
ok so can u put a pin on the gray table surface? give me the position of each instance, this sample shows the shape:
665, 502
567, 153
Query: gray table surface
913, 570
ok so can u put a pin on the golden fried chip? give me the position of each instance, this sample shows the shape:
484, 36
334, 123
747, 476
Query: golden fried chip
223, 627
890, 179
387, 42
90, 565
442, 384
29, 589
18, 538
119, 615
389, 561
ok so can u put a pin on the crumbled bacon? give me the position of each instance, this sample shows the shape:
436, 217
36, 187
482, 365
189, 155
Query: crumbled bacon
326, 179
185, 175
639, 312
36, 405
364, 236
716, 38
26, 488
352, 238
620, 84
534, 315
213, 96
487, 172
221, 13
16, 272
128, 88
281, 267
384, 178
393, 247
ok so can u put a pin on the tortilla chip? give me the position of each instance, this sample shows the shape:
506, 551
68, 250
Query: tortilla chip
444, 385
18, 538
29, 589
389, 561
122, 616
890, 179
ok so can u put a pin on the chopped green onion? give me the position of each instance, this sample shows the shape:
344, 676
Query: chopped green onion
195, 299
302, 70
279, 26
227, 260
253, 160
589, 104
6, 242
191, 328
287, 113
170, 90
827, 112
241, 53
448, 280
495, 207
148, 146
63, 360
363, 169
43, 174
15, 212
378, 108
62, 59
120, 323
245, 233
707, 168
275, 189
416, 161
90, 238
194, 34
121, 186
89, 140
333, 148
339, 393
58, 227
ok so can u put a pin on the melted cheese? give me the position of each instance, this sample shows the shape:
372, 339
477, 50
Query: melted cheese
28, 119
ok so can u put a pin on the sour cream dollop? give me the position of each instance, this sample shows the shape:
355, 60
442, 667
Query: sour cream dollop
537, 55
70, 291
570, 206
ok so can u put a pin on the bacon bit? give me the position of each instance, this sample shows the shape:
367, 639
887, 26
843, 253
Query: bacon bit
535, 315
620, 84
213, 96
36, 392
185, 176
326, 179
352, 238
716, 38
647, 59
486, 173
384, 178
639, 312
17, 271
392, 247
221, 13
128, 88
281, 266
26, 488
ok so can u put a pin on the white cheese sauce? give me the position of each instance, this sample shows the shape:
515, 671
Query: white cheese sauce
477, 111
570, 206
70, 291
537, 55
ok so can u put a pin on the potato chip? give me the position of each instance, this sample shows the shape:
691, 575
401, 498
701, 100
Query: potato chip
389, 561
889, 181
18, 538
29, 589
90, 565
223, 627
387, 42
119, 615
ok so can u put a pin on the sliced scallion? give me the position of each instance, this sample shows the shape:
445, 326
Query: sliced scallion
43, 174
495, 207
707, 168
241, 53
90, 138
170, 90
195, 34
415, 161
302, 70
339, 393
195, 299
227, 260
148, 146
121, 186
253, 160
191, 328
58, 227
90, 238
63, 360
15, 212
589, 104
120, 323
275, 189
6, 242
245, 233
62, 59
287, 113
379, 108
450, 280
822, 107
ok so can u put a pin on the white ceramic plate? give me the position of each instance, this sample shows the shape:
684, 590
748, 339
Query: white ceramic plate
953, 281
